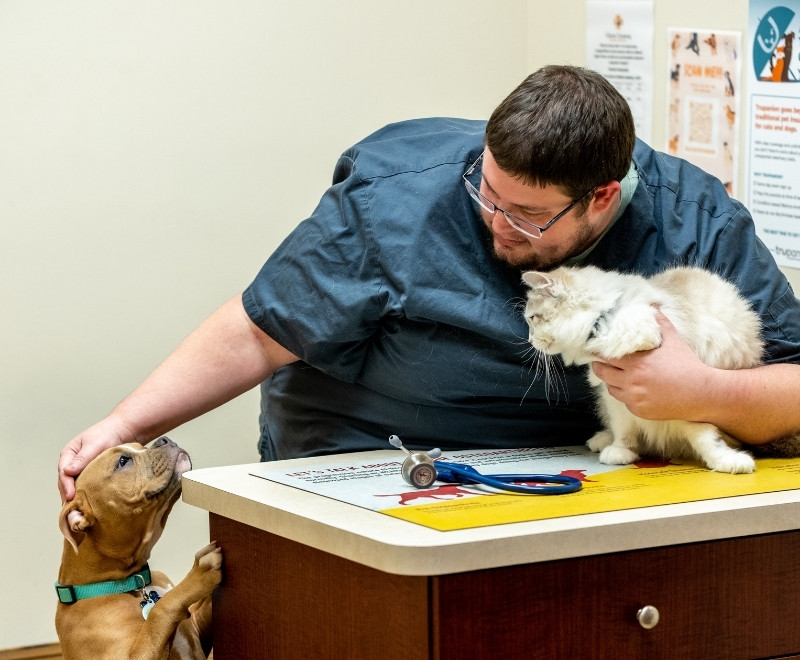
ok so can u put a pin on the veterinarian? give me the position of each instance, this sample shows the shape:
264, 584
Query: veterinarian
396, 307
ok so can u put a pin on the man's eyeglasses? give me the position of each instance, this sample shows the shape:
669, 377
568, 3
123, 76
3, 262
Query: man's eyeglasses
520, 224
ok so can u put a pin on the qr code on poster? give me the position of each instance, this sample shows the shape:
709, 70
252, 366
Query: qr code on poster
701, 122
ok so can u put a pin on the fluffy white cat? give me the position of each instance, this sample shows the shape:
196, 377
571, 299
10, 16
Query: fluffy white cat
584, 313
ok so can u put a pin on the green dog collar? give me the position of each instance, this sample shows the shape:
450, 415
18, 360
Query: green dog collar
68, 593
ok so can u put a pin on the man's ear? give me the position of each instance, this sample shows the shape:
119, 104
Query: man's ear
605, 195
75, 518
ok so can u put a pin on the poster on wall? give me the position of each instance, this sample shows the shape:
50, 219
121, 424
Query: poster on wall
619, 45
773, 163
703, 88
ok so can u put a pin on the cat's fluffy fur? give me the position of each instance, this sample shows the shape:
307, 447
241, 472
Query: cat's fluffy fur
582, 313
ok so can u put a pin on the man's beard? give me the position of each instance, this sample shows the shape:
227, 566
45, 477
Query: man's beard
551, 258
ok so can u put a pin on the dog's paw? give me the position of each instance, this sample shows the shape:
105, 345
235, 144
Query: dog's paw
734, 462
209, 555
600, 441
614, 455
208, 564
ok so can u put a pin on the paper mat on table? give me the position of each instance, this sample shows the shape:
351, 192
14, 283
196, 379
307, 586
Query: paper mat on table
378, 485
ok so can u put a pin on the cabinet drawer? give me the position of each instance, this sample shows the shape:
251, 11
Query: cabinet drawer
735, 598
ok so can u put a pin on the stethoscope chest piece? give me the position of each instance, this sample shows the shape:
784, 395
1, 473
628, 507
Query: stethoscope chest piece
418, 470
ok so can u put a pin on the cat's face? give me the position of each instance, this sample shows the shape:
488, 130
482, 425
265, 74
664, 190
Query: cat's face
561, 311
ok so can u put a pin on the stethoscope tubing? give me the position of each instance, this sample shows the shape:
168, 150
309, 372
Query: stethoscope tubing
551, 484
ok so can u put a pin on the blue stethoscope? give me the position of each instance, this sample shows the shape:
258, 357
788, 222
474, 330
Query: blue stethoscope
421, 470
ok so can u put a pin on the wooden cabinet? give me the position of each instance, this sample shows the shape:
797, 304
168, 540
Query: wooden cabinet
734, 598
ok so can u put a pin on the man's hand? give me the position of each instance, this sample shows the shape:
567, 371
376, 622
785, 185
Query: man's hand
671, 382
663, 383
79, 451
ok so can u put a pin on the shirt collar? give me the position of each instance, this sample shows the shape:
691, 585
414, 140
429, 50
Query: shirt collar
627, 186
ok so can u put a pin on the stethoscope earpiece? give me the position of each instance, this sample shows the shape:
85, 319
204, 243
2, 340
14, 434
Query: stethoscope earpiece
420, 470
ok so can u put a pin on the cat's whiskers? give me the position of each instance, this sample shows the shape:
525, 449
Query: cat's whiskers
546, 366
532, 357
554, 379
541, 364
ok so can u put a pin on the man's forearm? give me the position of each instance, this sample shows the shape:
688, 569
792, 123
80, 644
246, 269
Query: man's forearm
753, 405
224, 357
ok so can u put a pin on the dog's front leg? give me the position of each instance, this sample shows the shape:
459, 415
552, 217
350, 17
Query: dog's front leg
199, 624
157, 634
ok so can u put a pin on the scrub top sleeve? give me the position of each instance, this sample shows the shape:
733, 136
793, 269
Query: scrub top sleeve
745, 260
321, 294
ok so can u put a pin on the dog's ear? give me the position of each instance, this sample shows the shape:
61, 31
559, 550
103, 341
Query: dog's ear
76, 517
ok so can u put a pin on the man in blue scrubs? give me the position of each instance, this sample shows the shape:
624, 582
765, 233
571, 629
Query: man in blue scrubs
396, 307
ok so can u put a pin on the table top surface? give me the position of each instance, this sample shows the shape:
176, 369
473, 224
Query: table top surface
400, 547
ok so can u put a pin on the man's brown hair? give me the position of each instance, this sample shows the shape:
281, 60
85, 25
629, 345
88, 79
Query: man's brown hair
563, 125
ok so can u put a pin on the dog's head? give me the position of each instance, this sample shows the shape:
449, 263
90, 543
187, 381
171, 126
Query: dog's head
123, 497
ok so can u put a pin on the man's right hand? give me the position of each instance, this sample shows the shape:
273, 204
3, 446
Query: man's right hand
79, 451
225, 356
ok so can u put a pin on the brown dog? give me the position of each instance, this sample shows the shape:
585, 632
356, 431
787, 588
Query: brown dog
110, 605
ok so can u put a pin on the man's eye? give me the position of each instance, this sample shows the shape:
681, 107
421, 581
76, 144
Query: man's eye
123, 461
533, 215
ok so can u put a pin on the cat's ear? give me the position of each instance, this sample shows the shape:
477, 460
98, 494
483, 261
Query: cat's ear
538, 281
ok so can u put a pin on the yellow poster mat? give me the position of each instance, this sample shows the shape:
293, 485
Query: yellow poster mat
629, 487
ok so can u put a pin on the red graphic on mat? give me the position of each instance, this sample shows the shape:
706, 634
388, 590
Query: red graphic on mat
580, 475
439, 493
649, 463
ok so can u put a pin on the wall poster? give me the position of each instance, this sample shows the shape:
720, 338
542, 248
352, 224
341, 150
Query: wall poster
619, 45
703, 88
773, 164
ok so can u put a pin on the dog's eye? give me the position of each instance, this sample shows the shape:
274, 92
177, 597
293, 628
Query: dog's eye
123, 461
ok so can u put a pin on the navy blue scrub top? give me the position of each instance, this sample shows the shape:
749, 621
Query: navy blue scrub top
405, 323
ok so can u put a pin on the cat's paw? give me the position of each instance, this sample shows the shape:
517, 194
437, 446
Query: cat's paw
734, 462
600, 441
646, 339
633, 328
615, 455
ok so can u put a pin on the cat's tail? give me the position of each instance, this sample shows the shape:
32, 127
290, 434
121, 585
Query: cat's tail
788, 447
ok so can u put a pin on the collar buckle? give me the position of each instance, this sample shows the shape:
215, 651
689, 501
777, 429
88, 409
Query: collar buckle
66, 593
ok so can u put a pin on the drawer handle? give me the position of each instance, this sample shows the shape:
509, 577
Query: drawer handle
648, 617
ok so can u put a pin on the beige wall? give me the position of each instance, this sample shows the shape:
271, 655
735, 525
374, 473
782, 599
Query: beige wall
153, 153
